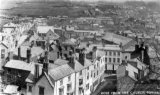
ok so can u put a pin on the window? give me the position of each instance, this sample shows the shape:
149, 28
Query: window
69, 78
61, 82
110, 53
136, 75
87, 68
125, 57
41, 90
87, 86
30, 88
91, 73
110, 60
114, 60
94, 75
80, 73
97, 65
118, 53
87, 75
80, 81
114, 53
106, 53
106, 66
3, 53
97, 72
69, 87
80, 91
118, 60
61, 92
105, 59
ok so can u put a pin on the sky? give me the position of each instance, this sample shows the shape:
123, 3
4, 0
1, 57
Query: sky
85, 0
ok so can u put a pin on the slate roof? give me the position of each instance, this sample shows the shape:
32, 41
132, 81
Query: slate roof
118, 39
1, 43
130, 46
44, 29
30, 77
57, 63
17, 64
61, 72
61, 68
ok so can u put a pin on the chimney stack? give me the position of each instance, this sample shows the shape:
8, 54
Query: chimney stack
58, 55
19, 53
136, 47
82, 57
28, 55
36, 71
146, 48
142, 55
71, 59
142, 44
45, 63
10, 55
45, 67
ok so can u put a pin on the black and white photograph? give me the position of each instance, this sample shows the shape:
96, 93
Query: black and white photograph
79, 47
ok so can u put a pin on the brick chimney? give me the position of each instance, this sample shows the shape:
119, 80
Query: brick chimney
142, 55
28, 55
146, 48
82, 57
45, 67
36, 70
136, 47
19, 53
45, 63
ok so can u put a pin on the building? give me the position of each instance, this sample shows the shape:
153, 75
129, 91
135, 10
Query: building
3, 55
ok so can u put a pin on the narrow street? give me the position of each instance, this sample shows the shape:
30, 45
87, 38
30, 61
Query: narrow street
108, 85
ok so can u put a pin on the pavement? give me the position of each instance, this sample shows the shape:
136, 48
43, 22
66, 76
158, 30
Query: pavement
106, 86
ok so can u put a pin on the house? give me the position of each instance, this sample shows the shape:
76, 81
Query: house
65, 77
113, 58
135, 67
17, 72
70, 75
3, 55
27, 53
47, 32
127, 75
58, 81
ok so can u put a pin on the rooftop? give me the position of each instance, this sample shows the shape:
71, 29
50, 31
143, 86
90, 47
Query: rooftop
118, 39
35, 51
17, 64
61, 72
44, 29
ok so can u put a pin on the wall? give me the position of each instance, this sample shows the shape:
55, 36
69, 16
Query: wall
6, 54
44, 83
64, 85
125, 84
113, 55
131, 70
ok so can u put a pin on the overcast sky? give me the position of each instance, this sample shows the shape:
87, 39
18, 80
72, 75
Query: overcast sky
84, 0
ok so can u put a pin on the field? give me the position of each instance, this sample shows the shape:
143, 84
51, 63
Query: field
44, 9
